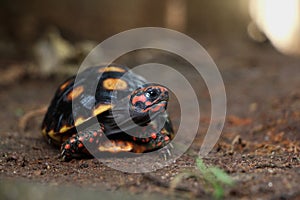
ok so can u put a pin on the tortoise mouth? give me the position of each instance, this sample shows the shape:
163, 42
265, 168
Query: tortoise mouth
159, 106
143, 107
148, 113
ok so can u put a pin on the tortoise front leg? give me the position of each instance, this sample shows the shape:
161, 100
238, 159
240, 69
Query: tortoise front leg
155, 141
74, 146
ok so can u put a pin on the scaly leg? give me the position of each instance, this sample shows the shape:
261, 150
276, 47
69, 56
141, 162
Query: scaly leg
74, 146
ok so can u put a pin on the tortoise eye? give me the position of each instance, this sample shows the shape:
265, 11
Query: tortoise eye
152, 94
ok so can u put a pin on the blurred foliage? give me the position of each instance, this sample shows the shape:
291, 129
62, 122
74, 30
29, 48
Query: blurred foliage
211, 178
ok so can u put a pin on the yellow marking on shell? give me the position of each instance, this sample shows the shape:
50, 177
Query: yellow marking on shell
116, 146
80, 120
44, 132
164, 131
54, 136
64, 129
75, 93
101, 108
114, 84
63, 86
111, 69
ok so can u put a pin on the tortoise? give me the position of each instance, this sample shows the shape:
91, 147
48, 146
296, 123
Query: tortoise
129, 114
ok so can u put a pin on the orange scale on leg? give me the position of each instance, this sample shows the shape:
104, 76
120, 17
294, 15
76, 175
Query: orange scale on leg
67, 146
153, 135
166, 138
72, 140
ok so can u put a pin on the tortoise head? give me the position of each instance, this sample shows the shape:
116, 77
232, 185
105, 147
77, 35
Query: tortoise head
149, 99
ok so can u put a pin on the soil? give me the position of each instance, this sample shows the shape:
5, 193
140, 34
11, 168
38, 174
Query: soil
259, 147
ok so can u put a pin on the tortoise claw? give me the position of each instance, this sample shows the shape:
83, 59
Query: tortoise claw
166, 152
64, 156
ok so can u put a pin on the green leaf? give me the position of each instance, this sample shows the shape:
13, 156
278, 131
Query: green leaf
221, 176
201, 166
214, 176
218, 191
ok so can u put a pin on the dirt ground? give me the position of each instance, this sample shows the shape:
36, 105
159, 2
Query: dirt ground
259, 147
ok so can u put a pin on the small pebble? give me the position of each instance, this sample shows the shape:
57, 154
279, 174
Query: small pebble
84, 165
270, 184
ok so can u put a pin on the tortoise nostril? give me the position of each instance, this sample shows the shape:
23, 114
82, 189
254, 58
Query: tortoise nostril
166, 94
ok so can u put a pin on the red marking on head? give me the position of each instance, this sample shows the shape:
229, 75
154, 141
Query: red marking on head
91, 140
72, 140
156, 108
141, 98
80, 145
95, 134
80, 139
159, 144
67, 146
148, 103
153, 135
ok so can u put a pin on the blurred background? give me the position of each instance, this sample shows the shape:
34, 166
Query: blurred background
49, 34
254, 43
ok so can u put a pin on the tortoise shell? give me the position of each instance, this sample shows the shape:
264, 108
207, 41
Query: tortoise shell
92, 94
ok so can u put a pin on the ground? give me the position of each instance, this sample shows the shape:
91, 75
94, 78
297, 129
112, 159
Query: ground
259, 147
